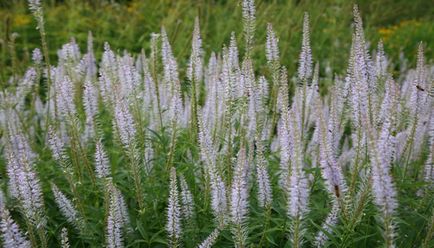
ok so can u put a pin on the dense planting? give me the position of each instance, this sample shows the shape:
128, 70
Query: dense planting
124, 152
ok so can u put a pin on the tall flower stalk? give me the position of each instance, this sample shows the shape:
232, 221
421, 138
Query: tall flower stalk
173, 226
194, 74
229, 135
11, 234
35, 7
239, 200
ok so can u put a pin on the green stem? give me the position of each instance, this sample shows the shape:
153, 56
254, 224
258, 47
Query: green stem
296, 235
194, 107
42, 237
172, 146
356, 165
135, 169
267, 224
31, 234
388, 232
429, 234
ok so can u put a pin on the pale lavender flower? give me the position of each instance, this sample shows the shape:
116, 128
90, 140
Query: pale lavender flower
176, 106
210, 240
64, 238
10, 232
114, 238
37, 56
90, 102
272, 45
401, 140
35, 7
382, 152
13, 170
381, 62
239, 195
185, 118
311, 94
150, 100
218, 196
195, 66
56, 144
124, 123
419, 104
108, 61
265, 196
420, 132
429, 169
28, 81
298, 195
102, 163
298, 183
19, 143
211, 113
390, 102
207, 149
23, 181
166, 50
186, 199
89, 58
283, 97
123, 210
67, 208
2, 201
305, 62
233, 59
383, 188
173, 226
39, 106
254, 105
359, 80
359, 87
105, 87
129, 78
171, 79
245, 79
209, 157
249, 22
70, 53
239, 199
336, 111
330, 169
368, 68
117, 220
262, 92
107, 75
285, 149
429, 164
65, 97
328, 225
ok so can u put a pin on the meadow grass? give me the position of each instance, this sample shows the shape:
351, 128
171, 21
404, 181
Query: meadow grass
129, 24
156, 130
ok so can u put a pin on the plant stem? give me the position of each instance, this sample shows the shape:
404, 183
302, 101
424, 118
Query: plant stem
267, 223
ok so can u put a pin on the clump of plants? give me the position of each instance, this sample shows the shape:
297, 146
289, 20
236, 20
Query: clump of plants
124, 152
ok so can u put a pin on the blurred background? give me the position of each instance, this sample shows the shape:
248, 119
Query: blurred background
128, 25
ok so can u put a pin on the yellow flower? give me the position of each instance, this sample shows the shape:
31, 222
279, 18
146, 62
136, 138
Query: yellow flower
387, 32
133, 7
21, 20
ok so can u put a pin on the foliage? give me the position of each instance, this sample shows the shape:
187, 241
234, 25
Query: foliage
215, 144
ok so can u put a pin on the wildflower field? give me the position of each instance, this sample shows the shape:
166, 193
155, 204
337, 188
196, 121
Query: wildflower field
175, 144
